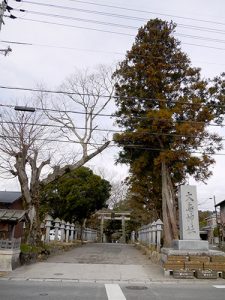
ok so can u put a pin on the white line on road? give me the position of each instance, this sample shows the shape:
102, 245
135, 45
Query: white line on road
114, 292
219, 286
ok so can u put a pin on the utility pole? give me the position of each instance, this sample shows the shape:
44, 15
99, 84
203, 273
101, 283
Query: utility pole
217, 221
3, 7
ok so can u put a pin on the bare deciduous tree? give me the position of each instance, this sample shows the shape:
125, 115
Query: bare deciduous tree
20, 144
85, 96
24, 137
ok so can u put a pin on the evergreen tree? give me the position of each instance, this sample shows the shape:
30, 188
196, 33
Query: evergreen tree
164, 106
75, 196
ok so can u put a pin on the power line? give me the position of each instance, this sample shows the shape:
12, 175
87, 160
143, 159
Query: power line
212, 30
90, 50
73, 26
60, 126
101, 96
145, 11
87, 11
108, 130
114, 116
110, 14
133, 146
62, 47
77, 19
105, 31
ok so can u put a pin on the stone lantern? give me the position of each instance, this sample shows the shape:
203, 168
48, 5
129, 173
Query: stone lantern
48, 225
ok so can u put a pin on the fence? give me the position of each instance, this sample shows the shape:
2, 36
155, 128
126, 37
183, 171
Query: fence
59, 230
150, 235
10, 244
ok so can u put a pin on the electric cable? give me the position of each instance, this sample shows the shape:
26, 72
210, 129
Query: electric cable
127, 9
103, 96
212, 30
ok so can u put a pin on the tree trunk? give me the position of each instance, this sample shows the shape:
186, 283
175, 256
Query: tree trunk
168, 208
34, 229
34, 234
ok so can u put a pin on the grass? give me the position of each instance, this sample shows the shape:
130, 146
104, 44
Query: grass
25, 248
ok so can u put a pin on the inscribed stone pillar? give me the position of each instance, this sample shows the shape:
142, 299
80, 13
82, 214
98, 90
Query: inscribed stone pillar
189, 222
188, 209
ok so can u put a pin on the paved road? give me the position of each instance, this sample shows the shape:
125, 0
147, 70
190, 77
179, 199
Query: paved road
94, 263
29, 290
103, 272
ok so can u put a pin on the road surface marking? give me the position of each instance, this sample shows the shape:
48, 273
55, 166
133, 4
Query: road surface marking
114, 292
219, 286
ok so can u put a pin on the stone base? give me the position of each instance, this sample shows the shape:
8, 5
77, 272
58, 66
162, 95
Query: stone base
191, 245
165, 252
206, 274
9, 259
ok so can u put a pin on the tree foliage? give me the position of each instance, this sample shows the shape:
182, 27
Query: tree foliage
202, 217
75, 196
165, 107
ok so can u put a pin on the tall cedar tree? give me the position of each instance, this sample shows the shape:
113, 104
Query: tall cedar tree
164, 106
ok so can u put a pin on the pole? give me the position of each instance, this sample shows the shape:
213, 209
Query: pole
3, 7
123, 229
217, 222
102, 228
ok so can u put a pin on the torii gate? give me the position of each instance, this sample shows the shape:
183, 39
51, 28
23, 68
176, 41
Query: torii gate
105, 215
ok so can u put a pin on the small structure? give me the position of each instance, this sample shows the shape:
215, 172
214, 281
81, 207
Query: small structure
9, 242
11, 229
13, 201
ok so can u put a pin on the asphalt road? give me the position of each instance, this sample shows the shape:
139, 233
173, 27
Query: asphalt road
97, 253
29, 290
96, 263
103, 272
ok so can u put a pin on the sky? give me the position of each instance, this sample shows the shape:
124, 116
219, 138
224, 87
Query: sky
100, 32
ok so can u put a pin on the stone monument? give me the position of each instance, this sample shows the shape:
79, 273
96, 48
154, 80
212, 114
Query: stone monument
189, 222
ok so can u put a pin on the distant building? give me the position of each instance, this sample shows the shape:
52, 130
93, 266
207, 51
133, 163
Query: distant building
208, 230
221, 205
11, 215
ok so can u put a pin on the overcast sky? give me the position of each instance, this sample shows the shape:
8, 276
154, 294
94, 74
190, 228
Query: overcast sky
89, 35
